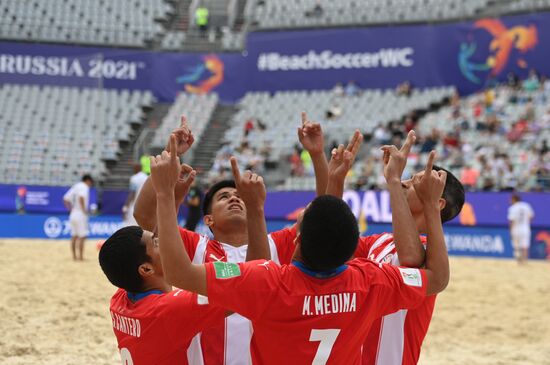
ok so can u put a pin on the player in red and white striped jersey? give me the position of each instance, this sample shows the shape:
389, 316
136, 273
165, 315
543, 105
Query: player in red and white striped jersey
397, 338
270, 294
228, 342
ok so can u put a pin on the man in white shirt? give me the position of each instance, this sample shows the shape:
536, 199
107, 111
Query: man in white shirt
76, 200
136, 183
520, 215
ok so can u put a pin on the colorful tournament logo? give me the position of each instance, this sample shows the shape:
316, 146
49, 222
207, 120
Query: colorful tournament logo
500, 50
204, 77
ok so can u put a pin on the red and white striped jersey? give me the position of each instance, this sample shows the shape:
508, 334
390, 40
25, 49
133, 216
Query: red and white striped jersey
394, 339
228, 342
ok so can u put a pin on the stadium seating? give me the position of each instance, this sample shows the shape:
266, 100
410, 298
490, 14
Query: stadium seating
53, 135
293, 13
112, 22
526, 5
280, 114
197, 109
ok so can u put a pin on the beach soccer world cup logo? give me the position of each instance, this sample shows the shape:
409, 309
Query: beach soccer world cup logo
479, 61
203, 77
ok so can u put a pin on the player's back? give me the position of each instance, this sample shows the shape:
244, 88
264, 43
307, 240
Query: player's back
520, 213
157, 328
302, 319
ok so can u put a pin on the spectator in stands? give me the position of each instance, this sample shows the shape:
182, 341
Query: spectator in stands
352, 89
193, 201
509, 179
316, 11
381, 135
404, 89
145, 164
334, 112
307, 163
338, 90
202, 18
532, 82
248, 126
430, 142
296, 166
469, 177
512, 80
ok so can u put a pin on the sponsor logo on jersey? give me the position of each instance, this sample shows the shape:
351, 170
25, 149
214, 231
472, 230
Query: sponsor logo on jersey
411, 277
226, 270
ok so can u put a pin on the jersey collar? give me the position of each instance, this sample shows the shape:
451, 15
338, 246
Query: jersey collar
134, 297
319, 274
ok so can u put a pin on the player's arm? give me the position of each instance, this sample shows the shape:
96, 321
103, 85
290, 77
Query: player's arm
429, 188
251, 190
144, 211
406, 237
310, 136
178, 269
341, 162
67, 204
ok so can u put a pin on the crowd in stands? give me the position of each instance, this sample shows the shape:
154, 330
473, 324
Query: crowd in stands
495, 140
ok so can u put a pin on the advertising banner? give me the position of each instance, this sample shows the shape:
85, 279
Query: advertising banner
165, 74
36, 198
480, 208
469, 55
461, 241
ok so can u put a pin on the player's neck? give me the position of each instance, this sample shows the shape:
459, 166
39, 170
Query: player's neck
232, 237
163, 286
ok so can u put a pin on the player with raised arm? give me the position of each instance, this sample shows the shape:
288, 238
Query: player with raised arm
397, 338
318, 309
226, 215
153, 323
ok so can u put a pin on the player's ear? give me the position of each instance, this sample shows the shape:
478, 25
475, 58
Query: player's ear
146, 269
208, 220
442, 203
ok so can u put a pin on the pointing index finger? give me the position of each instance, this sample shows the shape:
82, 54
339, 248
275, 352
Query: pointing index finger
304, 118
235, 169
183, 122
411, 137
173, 148
430, 164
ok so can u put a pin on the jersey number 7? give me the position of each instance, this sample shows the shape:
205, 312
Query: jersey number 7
327, 338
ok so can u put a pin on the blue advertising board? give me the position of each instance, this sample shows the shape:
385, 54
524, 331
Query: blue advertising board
461, 241
480, 209
469, 55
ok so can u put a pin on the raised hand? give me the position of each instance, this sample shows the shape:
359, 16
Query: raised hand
342, 158
187, 176
250, 186
395, 160
184, 138
310, 136
166, 169
430, 185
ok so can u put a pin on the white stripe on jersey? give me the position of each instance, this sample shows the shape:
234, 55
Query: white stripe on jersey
392, 339
238, 330
383, 238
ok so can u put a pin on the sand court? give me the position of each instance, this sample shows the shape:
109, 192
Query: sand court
55, 311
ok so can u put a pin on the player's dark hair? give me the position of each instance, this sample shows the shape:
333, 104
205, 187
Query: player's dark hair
207, 203
453, 193
120, 257
515, 197
88, 178
329, 234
